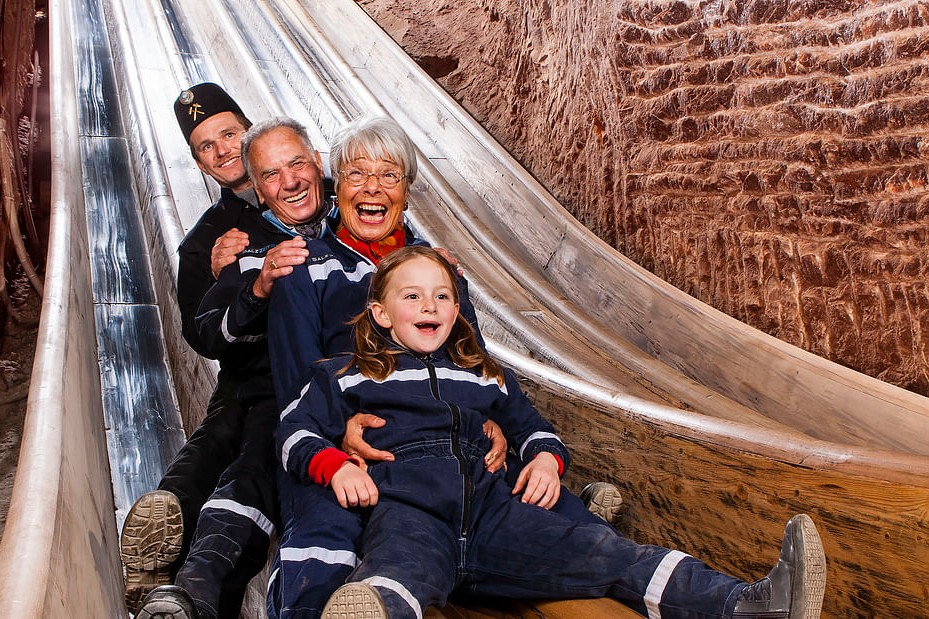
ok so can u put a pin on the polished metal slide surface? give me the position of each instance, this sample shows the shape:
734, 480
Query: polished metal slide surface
139, 409
631, 370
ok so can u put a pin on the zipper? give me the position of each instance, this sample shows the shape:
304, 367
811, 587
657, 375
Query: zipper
468, 487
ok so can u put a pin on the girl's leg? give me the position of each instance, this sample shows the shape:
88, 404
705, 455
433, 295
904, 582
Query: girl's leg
317, 550
520, 550
411, 558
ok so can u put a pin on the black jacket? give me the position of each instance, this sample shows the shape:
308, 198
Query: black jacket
245, 361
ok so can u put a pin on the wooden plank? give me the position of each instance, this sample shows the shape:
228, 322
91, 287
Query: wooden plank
600, 608
690, 491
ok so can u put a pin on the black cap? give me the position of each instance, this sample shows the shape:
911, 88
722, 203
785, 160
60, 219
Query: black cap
200, 102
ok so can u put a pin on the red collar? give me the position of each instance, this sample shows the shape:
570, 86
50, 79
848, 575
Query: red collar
372, 250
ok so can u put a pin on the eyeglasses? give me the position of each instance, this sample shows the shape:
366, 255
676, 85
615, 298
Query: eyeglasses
387, 179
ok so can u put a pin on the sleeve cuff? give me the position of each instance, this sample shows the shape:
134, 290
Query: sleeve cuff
325, 464
251, 298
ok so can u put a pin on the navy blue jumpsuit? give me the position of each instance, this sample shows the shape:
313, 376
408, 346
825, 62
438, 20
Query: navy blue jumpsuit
443, 523
307, 320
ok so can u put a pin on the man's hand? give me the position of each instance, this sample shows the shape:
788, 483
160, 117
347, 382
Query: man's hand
279, 261
353, 442
227, 247
353, 487
496, 457
540, 481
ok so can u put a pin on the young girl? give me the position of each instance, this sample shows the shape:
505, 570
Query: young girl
437, 520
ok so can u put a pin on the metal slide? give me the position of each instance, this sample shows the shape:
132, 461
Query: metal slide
689, 411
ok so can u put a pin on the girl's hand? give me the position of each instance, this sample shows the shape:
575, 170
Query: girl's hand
353, 487
539, 481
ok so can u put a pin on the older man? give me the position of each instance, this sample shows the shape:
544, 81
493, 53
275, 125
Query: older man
222, 480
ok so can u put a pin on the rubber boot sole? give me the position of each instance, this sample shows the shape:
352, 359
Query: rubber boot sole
150, 543
807, 602
603, 500
168, 602
355, 600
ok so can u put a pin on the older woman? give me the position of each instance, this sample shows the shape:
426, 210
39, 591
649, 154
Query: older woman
373, 164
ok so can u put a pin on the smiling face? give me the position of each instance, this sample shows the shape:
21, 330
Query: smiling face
216, 143
288, 175
418, 305
371, 211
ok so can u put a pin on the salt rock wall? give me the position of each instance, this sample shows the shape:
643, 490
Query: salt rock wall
17, 22
18, 134
767, 157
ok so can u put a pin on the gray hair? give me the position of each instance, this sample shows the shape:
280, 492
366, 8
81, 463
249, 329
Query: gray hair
378, 137
266, 126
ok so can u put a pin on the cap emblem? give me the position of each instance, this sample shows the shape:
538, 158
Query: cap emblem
194, 110
186, 97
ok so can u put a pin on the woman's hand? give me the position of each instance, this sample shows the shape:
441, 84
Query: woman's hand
353, 442
539, 481
450, 257
496, 457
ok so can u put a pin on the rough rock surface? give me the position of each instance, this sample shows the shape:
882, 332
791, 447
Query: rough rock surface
17, 351
19, 318
767, 157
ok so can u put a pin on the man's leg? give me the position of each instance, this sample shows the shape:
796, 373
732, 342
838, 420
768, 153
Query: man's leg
214, 445
232, 537
160, 524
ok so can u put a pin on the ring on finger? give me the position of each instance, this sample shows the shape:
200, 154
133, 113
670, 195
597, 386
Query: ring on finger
273, 264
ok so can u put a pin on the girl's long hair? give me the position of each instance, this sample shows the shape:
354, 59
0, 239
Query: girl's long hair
375, 354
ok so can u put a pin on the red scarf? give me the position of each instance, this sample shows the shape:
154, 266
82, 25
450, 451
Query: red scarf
373, 250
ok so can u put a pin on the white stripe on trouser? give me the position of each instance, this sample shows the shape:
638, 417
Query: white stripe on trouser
659, 581
243, 510
393, 585
271, 579
323, 555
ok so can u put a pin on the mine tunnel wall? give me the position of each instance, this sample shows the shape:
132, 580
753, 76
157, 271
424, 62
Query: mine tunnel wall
768, 158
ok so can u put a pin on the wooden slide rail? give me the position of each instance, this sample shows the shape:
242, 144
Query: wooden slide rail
57, 553
715, 432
